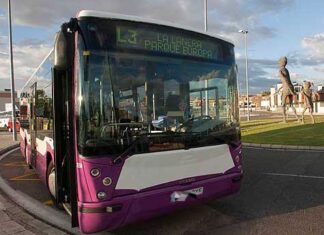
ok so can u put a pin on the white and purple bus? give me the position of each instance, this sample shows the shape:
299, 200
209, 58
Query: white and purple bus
132, 118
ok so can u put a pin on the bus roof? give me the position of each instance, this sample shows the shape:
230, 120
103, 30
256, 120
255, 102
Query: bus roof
108, 15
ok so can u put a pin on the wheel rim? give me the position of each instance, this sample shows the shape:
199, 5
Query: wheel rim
51, 183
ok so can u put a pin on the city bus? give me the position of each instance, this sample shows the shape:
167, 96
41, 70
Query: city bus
131, 118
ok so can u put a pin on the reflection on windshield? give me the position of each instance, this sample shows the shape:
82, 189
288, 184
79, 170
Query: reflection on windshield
167, 102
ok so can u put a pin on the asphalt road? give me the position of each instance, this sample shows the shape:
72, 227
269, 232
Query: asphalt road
282, 192
15, 170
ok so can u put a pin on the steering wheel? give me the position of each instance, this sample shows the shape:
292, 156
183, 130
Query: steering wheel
184, 127
205, 117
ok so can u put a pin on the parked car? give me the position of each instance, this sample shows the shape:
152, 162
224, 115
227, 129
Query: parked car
10, 127
4, 122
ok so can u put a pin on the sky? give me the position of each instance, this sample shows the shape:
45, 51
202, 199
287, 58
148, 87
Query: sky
291, 28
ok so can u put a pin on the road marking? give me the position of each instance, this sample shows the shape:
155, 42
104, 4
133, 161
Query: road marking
14, 164
49, 203
293, 175
24, 177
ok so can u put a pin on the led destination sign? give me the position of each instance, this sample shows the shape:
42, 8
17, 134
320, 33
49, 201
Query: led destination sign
165, 42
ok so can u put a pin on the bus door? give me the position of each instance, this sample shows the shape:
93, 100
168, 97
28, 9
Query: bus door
63, 144
33, 125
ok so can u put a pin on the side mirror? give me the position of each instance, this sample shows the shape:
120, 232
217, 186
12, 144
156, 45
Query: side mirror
60, 53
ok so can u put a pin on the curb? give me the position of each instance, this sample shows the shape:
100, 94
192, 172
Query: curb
48, 215
9, 148
283, 147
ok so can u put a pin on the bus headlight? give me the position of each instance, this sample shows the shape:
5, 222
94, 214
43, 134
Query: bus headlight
95, 172
237, 159
101, 195
107, 181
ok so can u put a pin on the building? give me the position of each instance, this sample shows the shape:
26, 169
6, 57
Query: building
265, 102
298, 99
256, 101
319, 104
243, 102
5, 100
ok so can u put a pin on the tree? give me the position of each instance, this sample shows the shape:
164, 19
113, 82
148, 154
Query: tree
265, 93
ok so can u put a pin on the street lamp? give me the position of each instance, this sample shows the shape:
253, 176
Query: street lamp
13, 103
206, 81
245, 32
205, 15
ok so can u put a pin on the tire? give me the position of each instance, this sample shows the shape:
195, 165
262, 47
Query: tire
25, 156
50, 180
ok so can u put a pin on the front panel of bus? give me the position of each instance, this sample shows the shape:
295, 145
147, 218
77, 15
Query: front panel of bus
157, 124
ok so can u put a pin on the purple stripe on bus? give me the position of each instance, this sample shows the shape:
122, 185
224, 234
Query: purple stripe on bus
144, 205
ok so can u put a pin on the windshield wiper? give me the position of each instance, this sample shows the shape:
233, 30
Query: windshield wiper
133, 144
128, 150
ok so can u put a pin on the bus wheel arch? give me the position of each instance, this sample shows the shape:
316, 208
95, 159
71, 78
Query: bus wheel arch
49, 159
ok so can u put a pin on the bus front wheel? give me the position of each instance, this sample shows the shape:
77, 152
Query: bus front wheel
51, 184
51, 180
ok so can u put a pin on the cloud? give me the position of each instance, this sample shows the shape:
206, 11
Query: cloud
298, 77
319, 69
310, 58
26, 59
230, 16
315, 44
3, 26
274, 6
262, 74
312, 54
3, 42
5, 83
48, 13
224, 18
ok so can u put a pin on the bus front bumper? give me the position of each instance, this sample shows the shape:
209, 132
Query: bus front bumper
109, 215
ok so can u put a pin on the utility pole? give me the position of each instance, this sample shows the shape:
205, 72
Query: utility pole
206, 81
12, 79
245, 32
205, 14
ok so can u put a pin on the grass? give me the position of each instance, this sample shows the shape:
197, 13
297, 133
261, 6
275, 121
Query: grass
273, 131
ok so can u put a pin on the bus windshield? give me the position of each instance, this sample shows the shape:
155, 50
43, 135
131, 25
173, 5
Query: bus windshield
159, 102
